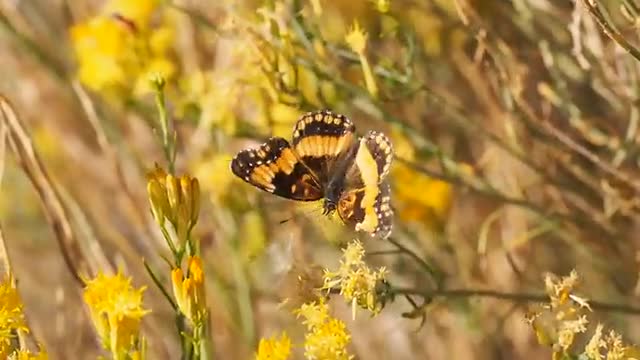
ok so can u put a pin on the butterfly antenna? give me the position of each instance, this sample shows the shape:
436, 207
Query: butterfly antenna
297, 213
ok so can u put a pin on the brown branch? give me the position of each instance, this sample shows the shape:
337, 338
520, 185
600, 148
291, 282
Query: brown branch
22, 146
609, 30
515, 297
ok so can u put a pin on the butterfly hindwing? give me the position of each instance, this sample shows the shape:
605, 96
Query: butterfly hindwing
371, 162
368, 209
275, 168
381, 150
321, 138
365, 200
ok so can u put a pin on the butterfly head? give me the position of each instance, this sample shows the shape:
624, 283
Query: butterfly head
328, 207
332, 195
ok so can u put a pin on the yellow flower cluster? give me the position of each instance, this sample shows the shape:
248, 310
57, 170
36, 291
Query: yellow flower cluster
356, 281
11, 316
116, 311
558, 324
118, 50
189, 291
274, 348
327, 337
429, 205
174, 199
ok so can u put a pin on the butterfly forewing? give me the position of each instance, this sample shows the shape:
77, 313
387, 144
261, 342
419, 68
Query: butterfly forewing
275, 168
321, 139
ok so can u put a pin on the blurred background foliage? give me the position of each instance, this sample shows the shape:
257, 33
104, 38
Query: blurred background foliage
515, 127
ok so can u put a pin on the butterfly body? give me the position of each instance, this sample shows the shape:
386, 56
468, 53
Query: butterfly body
326, 161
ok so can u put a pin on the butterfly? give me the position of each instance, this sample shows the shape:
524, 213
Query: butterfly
326, 161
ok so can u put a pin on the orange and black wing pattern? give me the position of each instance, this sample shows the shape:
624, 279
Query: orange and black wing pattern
321, 139
365, 200
275, 168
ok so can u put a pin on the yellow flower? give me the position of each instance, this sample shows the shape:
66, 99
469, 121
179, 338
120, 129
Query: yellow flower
569, 329
100, 46
327, 337
11, 316
559, 290
356, 281
118, 49
116, 311
429, 206
274, 349
616, 350
357, 41
174, 199
189, 290
592, 350
356, 38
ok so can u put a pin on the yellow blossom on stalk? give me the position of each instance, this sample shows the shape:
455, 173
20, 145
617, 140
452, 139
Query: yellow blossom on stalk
118, 49
356, 281
11, 316
174, 199
356, 38
116, 310
327, 337
274, 348
189, 291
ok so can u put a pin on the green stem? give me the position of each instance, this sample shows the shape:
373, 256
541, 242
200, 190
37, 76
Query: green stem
168, 139
158, 283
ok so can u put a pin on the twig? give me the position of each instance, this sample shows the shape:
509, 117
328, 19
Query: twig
22, 146
437, 276
609, 30
516, 297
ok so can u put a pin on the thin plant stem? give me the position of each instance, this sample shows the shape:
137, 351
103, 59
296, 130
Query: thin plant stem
516, 297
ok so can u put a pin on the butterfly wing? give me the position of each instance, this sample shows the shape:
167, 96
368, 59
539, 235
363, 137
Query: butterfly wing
320, 139
275, 168
365, 200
